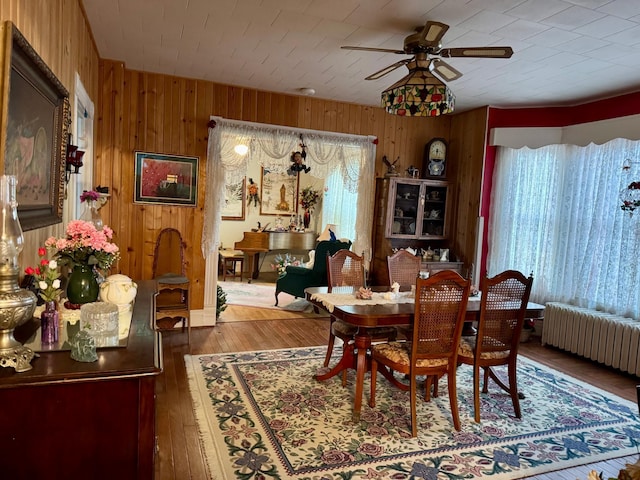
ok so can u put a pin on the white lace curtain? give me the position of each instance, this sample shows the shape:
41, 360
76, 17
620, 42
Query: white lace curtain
270, 146
555, 211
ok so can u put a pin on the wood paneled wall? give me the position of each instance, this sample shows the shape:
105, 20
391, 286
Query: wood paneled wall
467, 139
163, 114
59, 33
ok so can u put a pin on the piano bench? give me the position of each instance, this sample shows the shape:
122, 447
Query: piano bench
230, 259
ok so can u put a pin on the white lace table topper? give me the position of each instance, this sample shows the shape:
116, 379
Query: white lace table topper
331, 300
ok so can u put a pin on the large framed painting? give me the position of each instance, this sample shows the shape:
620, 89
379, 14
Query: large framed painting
279, 193
234, 199
34, 128
166, 179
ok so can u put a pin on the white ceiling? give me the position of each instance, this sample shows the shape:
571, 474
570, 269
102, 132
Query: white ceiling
566, 52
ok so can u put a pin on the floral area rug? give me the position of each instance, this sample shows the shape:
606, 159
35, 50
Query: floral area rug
263, 415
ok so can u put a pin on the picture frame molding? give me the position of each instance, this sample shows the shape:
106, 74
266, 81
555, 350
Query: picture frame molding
139, 179
243, 201
266, 191
21, 59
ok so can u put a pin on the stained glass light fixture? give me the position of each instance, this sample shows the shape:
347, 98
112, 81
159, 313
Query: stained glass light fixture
418, 94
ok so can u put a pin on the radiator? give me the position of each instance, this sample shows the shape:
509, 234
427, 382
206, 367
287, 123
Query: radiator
606, 338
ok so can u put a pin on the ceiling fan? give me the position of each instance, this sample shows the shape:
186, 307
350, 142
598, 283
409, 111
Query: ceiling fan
426, 43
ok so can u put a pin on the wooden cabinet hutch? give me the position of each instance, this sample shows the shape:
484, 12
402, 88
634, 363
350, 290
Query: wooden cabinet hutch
411, 213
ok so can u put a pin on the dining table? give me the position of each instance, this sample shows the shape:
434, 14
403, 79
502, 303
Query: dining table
385, 308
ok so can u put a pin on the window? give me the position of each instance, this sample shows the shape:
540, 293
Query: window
555, 211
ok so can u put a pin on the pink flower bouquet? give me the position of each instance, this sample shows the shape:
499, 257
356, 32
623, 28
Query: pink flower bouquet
85, 245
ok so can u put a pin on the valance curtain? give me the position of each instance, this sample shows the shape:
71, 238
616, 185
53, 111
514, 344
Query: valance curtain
270, 146
555, 211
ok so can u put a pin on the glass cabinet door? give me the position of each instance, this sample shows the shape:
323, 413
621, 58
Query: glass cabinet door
417, 208
405, 202
434, 215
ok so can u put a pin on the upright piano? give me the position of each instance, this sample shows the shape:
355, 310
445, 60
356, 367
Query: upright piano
255, 243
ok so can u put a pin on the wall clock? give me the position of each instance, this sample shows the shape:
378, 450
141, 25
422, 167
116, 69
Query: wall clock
435, 158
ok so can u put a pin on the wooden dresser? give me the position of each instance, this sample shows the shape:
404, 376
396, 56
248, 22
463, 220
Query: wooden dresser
65, 419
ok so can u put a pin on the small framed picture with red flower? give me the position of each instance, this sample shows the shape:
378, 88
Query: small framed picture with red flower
167, 179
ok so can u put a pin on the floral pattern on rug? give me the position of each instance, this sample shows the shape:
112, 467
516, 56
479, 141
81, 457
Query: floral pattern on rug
270, 419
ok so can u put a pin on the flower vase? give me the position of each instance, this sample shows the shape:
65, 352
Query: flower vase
91, 214
82, 285
306, 219
49, 323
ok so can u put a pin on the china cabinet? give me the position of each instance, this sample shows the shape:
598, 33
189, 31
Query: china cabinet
415, 213
417, 209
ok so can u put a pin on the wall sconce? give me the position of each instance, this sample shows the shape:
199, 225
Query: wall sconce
73, 161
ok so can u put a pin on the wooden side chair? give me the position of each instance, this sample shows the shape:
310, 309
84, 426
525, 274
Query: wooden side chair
173, 297
345, 272
440, 309
502, 310
403, 268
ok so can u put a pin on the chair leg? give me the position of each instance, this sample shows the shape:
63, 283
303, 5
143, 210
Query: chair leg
453, 396
428, 382
476, 393
414, 426
277, 292
431, 382
332, 339
512, 388
487, 373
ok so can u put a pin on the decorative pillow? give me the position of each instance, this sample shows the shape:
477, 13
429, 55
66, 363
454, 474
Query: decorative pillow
312, 258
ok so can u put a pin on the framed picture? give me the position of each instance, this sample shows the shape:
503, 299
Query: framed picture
166, 179
33, 130
234, 200
279, 193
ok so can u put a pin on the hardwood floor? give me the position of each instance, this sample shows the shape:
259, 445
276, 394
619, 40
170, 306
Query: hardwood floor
179, 455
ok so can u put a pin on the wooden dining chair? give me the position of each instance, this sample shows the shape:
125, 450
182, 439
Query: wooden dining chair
173, 298
440, 309
403, 268
345, 273
502, 310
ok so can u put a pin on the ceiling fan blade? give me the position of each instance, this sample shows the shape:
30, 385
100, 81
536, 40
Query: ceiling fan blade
389, 69
443, 70
373, 49
482, 52
432, 32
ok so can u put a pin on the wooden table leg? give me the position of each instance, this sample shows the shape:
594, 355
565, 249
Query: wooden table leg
346, 361
362, 343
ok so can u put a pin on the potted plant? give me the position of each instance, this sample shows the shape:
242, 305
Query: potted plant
221, 304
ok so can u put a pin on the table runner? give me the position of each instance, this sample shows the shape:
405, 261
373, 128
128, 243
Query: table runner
331, 300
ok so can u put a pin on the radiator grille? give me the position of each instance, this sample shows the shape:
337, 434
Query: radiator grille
603, 337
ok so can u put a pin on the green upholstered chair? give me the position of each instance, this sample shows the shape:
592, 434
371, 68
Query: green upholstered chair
296, 279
